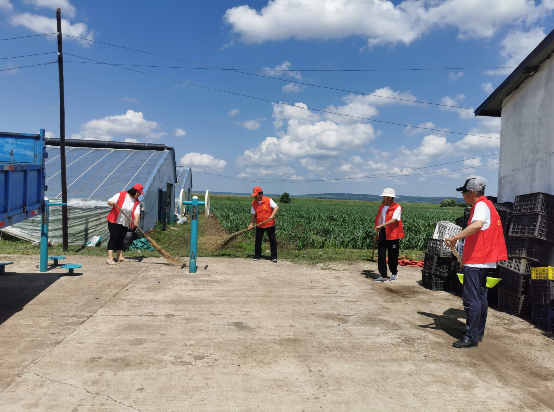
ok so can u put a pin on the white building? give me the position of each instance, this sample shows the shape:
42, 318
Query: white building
525, 103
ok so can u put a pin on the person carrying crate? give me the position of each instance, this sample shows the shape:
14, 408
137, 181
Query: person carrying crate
388, 225
484, 246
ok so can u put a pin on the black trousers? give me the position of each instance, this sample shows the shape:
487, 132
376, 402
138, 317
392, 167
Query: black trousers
475, 301
117, 235
384, 245
272, 243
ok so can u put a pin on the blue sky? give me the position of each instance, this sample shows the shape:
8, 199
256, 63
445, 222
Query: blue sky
280, 143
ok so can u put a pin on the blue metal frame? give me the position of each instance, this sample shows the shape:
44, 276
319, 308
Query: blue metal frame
44, 235
193, 231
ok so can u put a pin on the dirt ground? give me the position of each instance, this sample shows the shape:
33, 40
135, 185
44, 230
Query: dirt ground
254, 336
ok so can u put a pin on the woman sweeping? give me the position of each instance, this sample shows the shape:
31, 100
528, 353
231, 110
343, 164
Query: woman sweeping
118, 223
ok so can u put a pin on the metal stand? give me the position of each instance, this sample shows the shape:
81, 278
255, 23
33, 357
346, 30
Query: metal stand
193, 231
44, 234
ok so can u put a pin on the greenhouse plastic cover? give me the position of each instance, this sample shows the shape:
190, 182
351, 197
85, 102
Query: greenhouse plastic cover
98, 174
87, 218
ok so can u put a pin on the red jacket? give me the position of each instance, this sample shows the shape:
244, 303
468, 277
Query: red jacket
114, 213
485, 246
395, 230
263, 211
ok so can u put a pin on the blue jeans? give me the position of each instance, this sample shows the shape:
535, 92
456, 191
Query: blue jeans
475, 301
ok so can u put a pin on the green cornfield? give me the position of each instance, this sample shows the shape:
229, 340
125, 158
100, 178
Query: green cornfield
346, 225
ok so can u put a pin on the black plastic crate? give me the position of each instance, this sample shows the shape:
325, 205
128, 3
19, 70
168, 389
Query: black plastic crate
514, 281
438, 248
517, 265
461, 221
536, 250
542, 292
542, 203
429, 262
510, 302
492, 296
535, 226
505, 214
543, 317
432, 282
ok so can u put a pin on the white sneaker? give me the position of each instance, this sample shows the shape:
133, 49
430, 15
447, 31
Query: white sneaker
393, 277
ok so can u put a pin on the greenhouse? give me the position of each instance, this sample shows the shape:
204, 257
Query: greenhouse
96, 171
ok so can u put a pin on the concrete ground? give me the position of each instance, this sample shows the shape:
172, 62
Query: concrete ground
254, 336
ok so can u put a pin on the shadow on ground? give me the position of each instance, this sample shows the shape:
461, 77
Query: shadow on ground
447, 322
18, 289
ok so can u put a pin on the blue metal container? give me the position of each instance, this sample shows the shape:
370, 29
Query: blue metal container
22, 176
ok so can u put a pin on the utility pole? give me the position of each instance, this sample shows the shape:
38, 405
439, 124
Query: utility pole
65, 234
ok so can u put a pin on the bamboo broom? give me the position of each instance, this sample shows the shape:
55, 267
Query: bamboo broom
224, 243
170, 259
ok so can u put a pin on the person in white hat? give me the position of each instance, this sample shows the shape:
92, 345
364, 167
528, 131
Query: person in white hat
388, 225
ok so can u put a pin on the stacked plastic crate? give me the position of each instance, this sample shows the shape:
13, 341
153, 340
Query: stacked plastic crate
542, 298
529, 243
438, 263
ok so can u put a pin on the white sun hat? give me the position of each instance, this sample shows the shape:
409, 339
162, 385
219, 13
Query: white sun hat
388, 192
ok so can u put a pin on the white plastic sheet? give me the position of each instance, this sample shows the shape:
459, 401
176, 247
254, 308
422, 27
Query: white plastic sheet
87, 218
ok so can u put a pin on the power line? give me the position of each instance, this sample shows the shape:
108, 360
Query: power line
359, 177
288, 104
23, 67
348, 178
33, 35
208, 66
291, 81
26, 55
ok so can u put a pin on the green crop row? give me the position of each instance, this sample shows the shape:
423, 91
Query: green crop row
346, 225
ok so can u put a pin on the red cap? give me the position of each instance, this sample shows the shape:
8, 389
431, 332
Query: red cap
256, 190
139, 188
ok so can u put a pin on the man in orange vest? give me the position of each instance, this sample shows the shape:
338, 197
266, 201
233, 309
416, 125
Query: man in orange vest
388, 225
262, 214
484, 246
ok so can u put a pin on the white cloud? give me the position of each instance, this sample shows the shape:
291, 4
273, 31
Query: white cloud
233, 112
6, 5
297, 178
377, 21
129, 99
455, 76
67, 8
131, 125
202, 161
422, 128
131, 141
179, 132
42, 24
292, 88
253, 124
487, 88
473, 162
516, 46
226, 46
315, 165
457, 101
282, 69
9, 69
360, 107
270, 171
49, 135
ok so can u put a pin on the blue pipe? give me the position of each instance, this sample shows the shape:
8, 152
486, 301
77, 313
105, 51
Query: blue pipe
44, 234
193, 231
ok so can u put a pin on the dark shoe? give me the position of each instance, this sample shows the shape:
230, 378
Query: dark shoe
274, 260
465, 343
256, 258
480, 339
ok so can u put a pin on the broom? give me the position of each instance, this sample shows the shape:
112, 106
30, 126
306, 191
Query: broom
170, 259
234, 235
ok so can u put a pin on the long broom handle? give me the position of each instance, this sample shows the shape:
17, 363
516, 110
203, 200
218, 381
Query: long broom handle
455, 253
261, 223
131, 220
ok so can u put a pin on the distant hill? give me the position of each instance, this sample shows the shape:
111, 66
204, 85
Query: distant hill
356, 196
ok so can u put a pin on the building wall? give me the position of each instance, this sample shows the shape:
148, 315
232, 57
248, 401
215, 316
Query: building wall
527, 137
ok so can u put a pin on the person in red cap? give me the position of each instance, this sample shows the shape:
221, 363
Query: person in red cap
262, 214
118, 223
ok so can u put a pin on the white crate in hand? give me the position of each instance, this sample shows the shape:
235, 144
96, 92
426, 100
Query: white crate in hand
445, 230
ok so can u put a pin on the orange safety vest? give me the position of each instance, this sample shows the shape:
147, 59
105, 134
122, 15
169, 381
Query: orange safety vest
114, 213
263, 211
485, 246
396, 230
